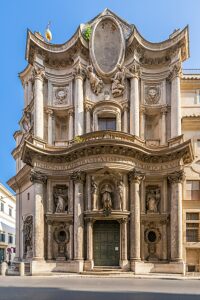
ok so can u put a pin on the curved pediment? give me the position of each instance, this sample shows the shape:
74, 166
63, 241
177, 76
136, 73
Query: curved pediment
107, 47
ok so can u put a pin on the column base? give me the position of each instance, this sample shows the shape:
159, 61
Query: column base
135, 265
88, 265
124, 264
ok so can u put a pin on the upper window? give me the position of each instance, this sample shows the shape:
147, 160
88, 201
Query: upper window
192, 190
192, 227
10, 239
1, 206
2, 237
106, 123
10, 211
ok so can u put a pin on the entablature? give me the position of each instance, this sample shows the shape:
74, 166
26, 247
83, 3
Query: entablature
109, 147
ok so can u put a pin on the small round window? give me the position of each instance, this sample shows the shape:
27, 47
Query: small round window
152, 236
62, 236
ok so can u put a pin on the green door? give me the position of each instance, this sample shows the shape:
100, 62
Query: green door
106, 243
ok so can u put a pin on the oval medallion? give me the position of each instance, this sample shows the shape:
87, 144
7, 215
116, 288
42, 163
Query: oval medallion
107, 46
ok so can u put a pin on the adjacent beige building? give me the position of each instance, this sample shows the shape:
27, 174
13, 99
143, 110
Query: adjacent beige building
108, 153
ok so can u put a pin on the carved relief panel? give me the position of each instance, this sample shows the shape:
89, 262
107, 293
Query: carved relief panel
59, 94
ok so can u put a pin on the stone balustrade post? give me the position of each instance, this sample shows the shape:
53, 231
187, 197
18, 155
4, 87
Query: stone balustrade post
176, 180
135, 179
38, 180
38, 103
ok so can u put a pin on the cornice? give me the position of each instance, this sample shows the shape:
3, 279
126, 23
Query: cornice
109, 143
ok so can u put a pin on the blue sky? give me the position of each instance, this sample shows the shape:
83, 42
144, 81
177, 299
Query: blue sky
155, 19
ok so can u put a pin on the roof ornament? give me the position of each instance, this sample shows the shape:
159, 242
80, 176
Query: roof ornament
48, 34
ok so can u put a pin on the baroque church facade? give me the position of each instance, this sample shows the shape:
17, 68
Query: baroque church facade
107, 154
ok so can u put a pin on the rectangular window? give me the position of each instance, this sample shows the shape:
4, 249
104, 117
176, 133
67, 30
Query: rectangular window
192, 216
2, 237
10, 211
107, 123
192, 232
2, 206
192, 190
10, 239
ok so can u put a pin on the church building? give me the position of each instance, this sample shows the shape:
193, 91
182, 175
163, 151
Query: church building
108, 153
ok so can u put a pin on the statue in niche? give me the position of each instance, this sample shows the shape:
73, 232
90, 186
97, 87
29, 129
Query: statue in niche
120, 189
94, 194
95, 82
106, 192
28, 234
27, 121
152, 200
61, 199
118, 82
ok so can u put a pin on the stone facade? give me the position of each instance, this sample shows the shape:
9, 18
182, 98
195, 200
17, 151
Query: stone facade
107, 148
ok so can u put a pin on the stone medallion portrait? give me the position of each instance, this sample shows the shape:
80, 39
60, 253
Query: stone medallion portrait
107, 46
61, 95
152, 94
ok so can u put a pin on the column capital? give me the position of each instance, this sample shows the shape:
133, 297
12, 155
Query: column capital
88, 107
39, 73
175, 71
135, 176
176, 177
143, 110
49, 111
126, 106
78, 176
70, 112
79, 71
37, 176
164, 110
135, 71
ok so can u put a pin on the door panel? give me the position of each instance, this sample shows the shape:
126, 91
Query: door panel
106, 243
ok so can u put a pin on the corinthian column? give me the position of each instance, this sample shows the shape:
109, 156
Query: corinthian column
79, 179
38, 180
38, 103
135, 179
134, 101
79, 107
175, 101
176, 180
